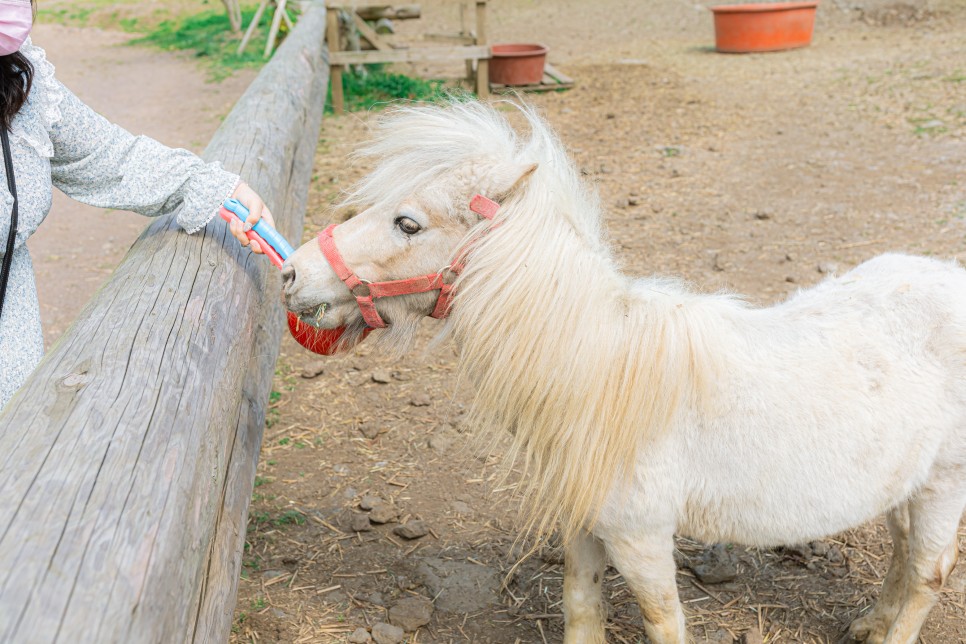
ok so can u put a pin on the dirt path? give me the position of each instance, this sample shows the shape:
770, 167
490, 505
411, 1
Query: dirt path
149, 92
753, 173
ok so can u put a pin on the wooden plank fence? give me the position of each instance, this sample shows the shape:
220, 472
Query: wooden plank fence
127, 461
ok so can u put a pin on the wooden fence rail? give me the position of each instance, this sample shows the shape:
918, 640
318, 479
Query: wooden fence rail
127, 460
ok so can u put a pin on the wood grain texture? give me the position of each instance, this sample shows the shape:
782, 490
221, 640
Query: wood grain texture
414, 54
127, 460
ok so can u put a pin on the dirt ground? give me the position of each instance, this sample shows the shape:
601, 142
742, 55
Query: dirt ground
757, 174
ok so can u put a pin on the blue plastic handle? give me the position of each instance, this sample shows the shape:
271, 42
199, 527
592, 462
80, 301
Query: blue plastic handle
263, 228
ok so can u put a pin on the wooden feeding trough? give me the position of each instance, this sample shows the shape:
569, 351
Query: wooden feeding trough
473, 50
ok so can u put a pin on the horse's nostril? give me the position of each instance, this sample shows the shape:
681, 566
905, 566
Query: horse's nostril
288, 276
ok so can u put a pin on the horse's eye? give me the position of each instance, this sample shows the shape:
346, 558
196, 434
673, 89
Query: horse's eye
407, 225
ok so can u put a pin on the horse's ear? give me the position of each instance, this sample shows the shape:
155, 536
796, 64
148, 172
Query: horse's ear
520, 181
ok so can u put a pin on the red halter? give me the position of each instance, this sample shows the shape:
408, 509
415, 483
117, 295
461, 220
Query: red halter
482, 206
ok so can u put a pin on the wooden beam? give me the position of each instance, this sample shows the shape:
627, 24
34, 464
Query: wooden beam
375, 12
333, 41
369, 33
128, 458
411, 55
483, 65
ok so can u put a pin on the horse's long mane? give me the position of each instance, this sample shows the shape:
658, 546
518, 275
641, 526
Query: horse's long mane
579, 363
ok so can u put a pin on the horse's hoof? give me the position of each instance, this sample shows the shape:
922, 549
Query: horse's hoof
870, 629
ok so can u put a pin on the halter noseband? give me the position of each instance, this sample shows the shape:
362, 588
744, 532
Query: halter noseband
365, 292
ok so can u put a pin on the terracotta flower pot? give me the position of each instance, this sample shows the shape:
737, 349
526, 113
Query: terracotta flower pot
741, 28
517, 64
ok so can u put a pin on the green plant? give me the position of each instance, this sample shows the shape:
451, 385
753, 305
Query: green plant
291, 517
378, 88
208, 34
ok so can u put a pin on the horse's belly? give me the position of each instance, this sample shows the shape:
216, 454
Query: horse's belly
807, 492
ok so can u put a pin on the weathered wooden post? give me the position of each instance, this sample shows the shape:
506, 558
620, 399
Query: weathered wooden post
128, 458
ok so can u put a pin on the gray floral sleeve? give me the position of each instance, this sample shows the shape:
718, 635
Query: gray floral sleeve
57, 140
101, 164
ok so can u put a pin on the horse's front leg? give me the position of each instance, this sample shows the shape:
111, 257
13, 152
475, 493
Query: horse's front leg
647, 563
584, 614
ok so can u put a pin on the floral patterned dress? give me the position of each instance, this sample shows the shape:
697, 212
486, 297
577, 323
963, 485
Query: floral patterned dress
57, 141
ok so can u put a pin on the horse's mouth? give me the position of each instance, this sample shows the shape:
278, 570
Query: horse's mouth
312, 315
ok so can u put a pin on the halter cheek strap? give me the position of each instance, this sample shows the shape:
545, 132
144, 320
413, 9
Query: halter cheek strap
365, 292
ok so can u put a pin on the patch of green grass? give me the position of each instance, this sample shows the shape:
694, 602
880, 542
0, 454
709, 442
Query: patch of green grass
378, 88
290, 517
927, 126
66, 15
208, 35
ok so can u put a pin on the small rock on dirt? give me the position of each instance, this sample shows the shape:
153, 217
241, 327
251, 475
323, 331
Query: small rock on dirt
370, 429
460, 586
412, 529
819, 548
313, 369
717, 565
387, 634
360, 636
751, 637
360, 523
376, 598
411, 613
370, 501
762, 215
827, 268
720, 636
834, 555
801, 551
381, 377
461, 507
383, 513
401, 376
421, 400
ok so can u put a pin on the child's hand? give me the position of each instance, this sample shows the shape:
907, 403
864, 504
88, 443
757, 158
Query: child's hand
256, 210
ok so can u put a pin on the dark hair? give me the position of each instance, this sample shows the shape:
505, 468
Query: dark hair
16, 78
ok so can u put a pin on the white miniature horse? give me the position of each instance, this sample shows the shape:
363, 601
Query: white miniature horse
642, 409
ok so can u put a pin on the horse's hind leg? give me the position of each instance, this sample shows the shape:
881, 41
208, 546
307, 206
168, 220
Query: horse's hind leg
934, 516
584, 561
873, 626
